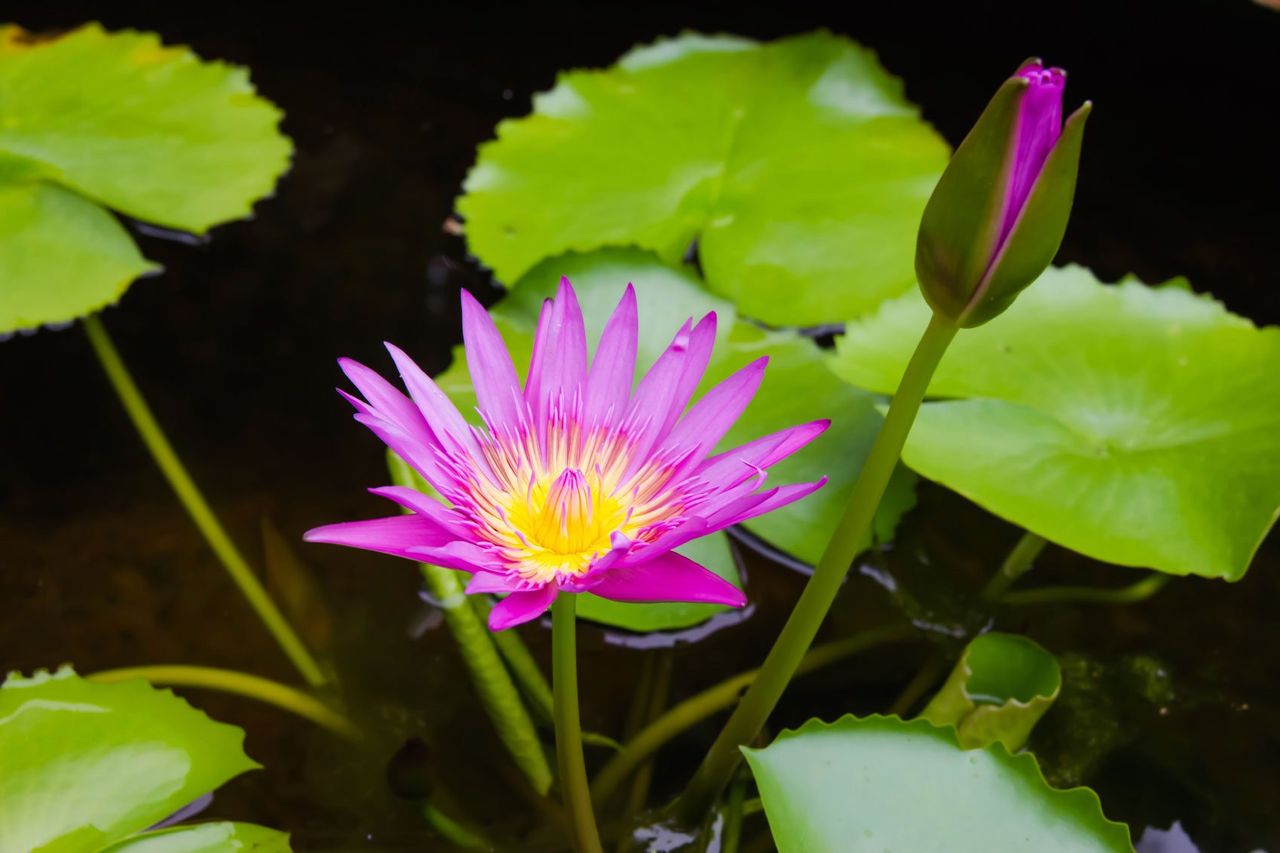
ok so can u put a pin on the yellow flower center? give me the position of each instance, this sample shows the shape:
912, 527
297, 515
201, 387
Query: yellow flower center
562, 524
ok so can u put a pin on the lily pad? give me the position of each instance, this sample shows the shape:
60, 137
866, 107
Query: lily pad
797, 387
798, 167
1137, 425
879, 783
96, 120
220, 837
998, 691
87, 765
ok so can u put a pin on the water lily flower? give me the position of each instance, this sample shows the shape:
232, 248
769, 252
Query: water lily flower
576, 482
999, 211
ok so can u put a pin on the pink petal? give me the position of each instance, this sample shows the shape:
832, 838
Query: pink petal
420, 457
613, 369
486, 582
711, 417
423, 505
492, 373
668, 577
732, 467
740, 511
520, 607
444, 419
385, 399
559, 366
459, 554
394, 535
666, 389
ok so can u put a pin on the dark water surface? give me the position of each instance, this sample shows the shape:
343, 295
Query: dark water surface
1171, 708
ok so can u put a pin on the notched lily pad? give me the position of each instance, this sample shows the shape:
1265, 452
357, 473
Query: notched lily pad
998, 691
87, 765
881, 783
96, 121
798, 166
1137, 425
797, 387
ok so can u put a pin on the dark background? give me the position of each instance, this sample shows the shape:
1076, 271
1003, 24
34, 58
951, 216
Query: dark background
234, 345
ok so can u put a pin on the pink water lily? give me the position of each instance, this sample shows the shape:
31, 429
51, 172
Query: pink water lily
576, 482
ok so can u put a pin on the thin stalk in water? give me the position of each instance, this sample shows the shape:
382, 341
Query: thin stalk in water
1017, 564
564, 687
820, 591
191, 498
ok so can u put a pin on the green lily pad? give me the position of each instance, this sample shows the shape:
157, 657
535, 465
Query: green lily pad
998, 691
1137, 425
798, 167
96, 120
88, 764
879, 783
220, 837
797, 387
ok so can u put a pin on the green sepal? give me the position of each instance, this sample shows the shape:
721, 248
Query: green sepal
1037, 234
961, 222
1000, 688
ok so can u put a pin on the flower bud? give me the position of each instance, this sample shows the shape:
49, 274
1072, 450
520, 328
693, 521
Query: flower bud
1000, 209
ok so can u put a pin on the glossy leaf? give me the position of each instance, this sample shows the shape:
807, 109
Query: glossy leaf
220, 837
96, 120
1137, 425
998, 691
880, 783
88, 764
798, 167
797, 387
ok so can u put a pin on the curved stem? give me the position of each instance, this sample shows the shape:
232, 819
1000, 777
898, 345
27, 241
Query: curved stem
820, 591
453, 831
697, 708
1135, 592
657, 702
255, 687
191, 498
564, 687
520, 661
934, 668
733, 816
1017, 564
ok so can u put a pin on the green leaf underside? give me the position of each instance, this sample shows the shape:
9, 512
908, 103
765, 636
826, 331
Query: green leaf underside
1137, 425
798, 167
87, 764
95, 120
206, 838
1000, 688
880, 783
797, 388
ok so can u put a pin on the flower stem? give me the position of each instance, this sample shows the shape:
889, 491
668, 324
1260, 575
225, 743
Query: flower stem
1135, 592
520, 661
697, 708
263, 690
455, 832
819, 593
564, 686
733, 816
1017, 564
185, 488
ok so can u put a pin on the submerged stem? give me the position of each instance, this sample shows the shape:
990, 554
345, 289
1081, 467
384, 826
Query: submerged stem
191, 498
564, 686
1131, 594
819, 593
263, 690
454, 831
1017, 564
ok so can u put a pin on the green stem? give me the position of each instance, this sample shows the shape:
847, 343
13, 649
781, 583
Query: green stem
733, 816
520, 661
661, 687
453, 831
1135, 592
1017, 564
263, 690
477, 647
819, 593
185, 488
697, 708
924, 678
564, 686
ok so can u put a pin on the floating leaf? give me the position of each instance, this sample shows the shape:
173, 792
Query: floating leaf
118, 120
220, 837
880, 783
88, 764
998, 691
1137, 425
797, 387
798, 167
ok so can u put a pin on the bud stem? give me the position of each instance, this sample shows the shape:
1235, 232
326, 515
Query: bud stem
819, 593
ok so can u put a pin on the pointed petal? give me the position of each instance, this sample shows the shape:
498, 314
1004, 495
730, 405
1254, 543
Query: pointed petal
520, 607
613, 368
768, 501
559, 367
485, 582
459, 554
492, 373
669, 577
444, 419
732, 467
384, 398
424, 505
667, 387
395, 535
711, 417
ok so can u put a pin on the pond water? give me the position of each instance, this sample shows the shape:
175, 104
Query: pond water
1172, 707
